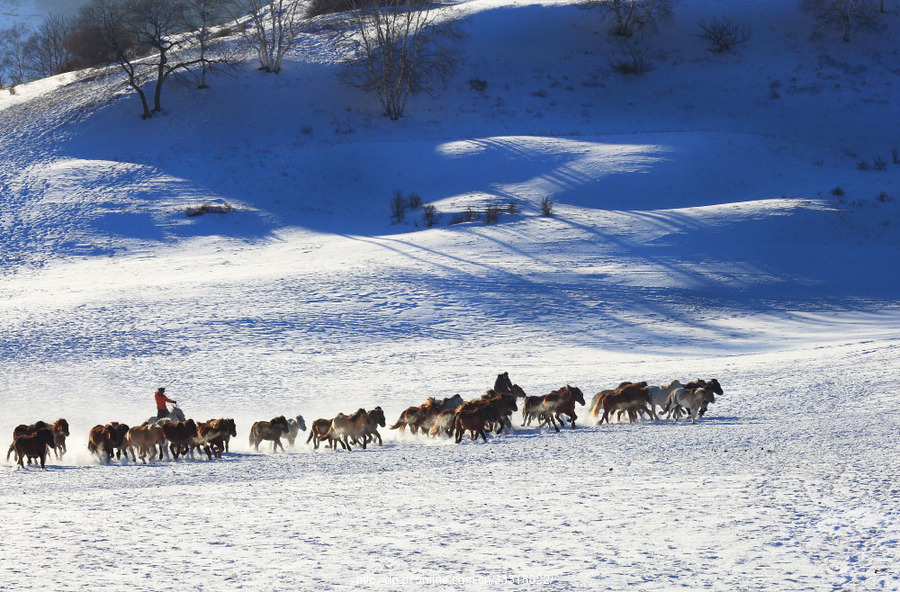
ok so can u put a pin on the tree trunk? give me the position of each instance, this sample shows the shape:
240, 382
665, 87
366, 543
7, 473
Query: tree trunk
160, 78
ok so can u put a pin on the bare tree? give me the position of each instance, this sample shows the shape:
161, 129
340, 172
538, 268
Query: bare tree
633, 16
394, 47
203, 15
13, 55
145, 38
274, 27
844, 15
158, 24
102, 35
723, 34
47, 51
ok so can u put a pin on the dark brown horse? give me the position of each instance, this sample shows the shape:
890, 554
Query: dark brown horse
269, 430
23, 430
182, 435
33, 446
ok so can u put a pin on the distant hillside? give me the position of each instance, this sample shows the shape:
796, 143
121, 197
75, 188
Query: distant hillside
32, 12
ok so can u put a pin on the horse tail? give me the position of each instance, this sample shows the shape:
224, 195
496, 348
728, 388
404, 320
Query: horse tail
10, 451
401, 424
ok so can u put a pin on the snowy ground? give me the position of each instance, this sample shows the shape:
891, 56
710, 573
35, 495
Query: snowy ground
695, 234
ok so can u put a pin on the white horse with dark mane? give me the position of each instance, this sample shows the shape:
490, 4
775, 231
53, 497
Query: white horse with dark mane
659, 395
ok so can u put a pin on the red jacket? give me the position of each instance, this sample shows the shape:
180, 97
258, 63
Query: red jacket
162, 399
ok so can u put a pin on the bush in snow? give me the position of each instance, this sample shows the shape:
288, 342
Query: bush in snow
414, 201
631, 59
478, 85
209, 208
398, 208
492, 214
431, 215
723, 34
546, 207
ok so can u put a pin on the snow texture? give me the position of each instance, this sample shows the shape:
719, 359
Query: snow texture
697, 232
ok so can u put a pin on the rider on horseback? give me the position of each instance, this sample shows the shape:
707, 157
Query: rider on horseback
161, 400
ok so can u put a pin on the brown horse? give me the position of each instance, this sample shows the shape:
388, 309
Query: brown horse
561, 402
347, 427
147, 439
100, 441
23, 430
182, 436
33, 446
60, 429
631, 398
269, 430
418, 417
223, 431
318, 430
475, 420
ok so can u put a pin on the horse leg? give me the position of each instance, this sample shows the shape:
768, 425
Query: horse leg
553, 417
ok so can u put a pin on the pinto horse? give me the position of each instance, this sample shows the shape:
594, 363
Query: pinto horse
561, 402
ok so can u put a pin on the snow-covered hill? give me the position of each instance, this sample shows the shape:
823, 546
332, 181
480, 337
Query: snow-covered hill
710, 218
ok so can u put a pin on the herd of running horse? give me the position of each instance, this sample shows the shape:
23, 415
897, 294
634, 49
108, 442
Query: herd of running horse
176, 436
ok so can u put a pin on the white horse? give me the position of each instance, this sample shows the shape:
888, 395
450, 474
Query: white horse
659, 395
175, 415
295, 426
693, 401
